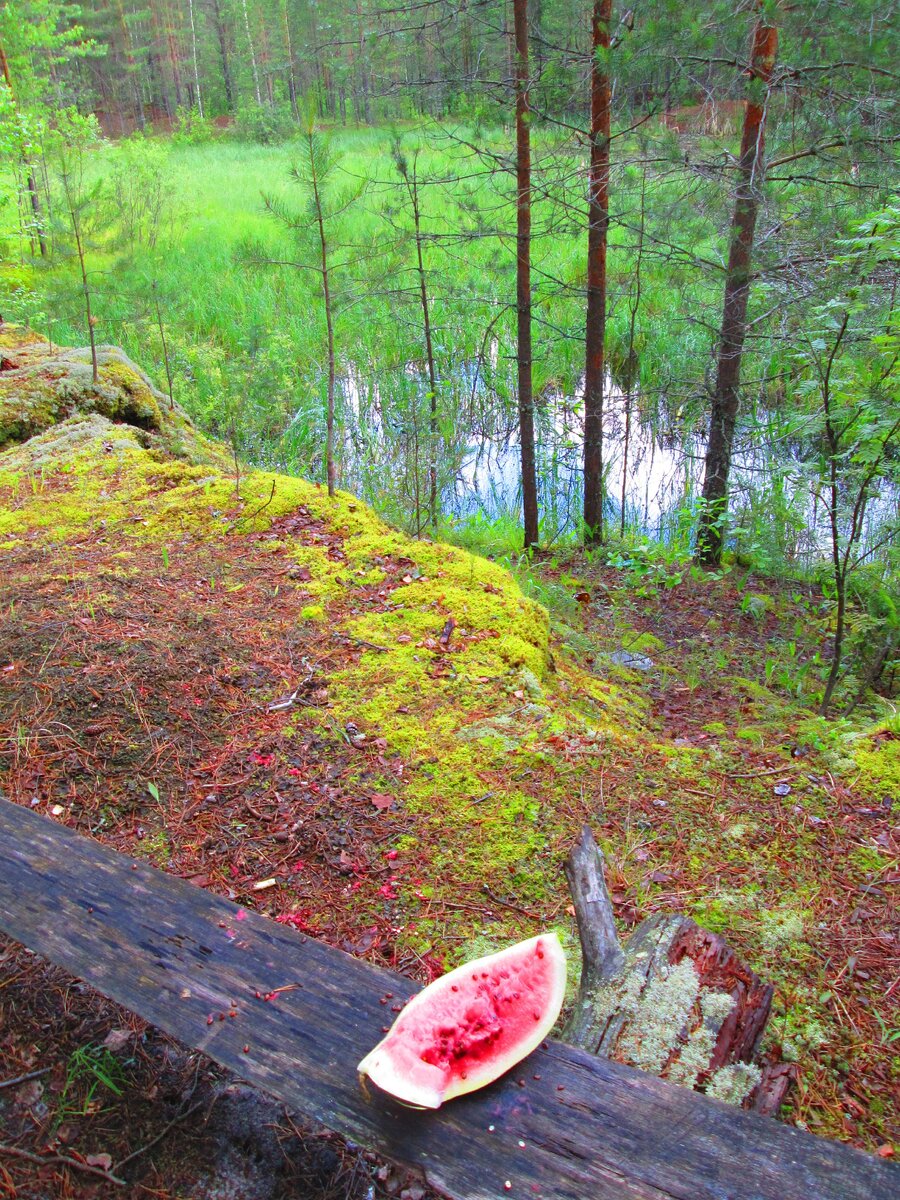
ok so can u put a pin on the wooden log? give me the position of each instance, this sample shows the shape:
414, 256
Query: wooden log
565, 1125
676, 1000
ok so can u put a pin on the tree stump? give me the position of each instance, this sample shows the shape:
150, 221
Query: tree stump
674, 1000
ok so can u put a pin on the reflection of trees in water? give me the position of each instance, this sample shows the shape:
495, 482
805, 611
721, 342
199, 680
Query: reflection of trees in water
774, 491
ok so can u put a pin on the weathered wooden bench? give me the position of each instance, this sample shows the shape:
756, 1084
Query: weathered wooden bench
564, 1125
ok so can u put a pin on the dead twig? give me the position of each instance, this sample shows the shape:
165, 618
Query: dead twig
249, 516
62, 1160
512, 907
159, 1137
5, 1083
782, 770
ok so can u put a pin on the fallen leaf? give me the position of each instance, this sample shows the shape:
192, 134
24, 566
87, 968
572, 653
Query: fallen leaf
381, 800
117, 1038
103, 1161
782, 789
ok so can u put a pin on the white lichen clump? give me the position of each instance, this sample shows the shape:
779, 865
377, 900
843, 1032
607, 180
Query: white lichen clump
658, 1015
734, 1083
694, 1058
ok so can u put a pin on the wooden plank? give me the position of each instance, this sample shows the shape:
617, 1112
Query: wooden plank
563, 1125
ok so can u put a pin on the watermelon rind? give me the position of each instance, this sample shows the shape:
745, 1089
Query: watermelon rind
395, 1065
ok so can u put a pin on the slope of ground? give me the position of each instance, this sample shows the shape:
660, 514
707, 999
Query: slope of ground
382, 742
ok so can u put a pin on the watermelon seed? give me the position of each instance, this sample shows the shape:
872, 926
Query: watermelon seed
520, 1082
535, 1077
385, 1029
508, 1186
521, 1145
560, 1088
490, 1128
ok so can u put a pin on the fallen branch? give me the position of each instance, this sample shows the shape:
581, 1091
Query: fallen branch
5, 1083
62, 1160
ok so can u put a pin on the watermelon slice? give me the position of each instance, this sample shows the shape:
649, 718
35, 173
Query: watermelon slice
468, 1027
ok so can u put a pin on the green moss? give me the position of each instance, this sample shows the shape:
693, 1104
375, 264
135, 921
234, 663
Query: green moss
877, 759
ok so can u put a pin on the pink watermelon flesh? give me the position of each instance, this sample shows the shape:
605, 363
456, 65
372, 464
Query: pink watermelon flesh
471, 1025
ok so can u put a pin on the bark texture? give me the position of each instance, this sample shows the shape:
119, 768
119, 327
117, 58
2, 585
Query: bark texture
675, 1000
523, 273
726, 397
598, 226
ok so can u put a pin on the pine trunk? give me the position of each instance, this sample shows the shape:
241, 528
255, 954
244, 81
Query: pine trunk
219, 26
598, 224
724, 408
523, 273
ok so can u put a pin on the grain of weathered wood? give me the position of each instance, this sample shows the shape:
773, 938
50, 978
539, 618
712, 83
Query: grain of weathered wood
177, 956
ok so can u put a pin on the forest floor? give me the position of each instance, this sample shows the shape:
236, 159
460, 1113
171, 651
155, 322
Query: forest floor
285, 702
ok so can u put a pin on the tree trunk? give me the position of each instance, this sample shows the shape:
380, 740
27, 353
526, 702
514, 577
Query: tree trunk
724, 408
329, 327
252, 53
292, 66
219, 25
194, 58
632, 366
523, 273
598, 224
362, 61
429, 355
82, 263
34, 199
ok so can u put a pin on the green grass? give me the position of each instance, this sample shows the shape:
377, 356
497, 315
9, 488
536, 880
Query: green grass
247, 345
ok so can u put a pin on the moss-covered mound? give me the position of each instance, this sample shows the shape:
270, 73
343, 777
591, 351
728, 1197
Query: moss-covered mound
381, 740
442, 702
50, 389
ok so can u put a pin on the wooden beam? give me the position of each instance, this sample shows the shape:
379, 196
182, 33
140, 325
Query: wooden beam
563, 1125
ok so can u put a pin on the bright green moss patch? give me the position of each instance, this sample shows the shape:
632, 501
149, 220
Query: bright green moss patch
878, 760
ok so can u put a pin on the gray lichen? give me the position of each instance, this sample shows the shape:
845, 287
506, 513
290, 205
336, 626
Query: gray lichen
734, 1083
694, 1058
658, 1014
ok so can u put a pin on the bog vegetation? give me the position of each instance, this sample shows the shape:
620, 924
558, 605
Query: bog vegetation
637, 278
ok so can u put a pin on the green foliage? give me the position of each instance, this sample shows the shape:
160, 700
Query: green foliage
140, 193
266, 124
93, 1075
649, 567
190, 129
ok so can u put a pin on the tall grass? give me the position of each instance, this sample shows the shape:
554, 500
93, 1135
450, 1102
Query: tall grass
246, 342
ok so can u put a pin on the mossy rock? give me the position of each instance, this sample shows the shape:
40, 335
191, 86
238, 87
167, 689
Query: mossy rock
49, 388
